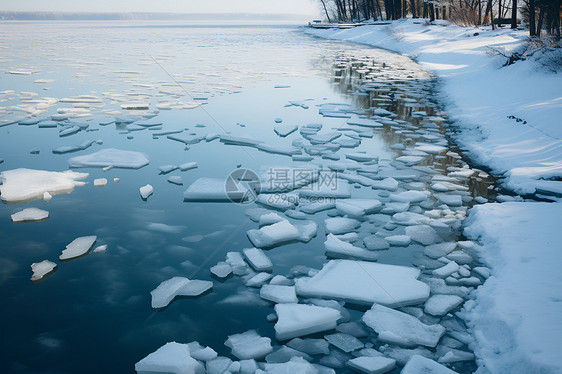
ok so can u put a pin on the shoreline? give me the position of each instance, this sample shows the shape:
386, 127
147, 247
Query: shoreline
513, 316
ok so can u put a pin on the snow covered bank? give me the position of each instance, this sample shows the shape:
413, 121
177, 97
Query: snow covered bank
516, 317
480, 96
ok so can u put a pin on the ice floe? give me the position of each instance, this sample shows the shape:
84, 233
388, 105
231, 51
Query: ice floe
249, 345
215, 190
42, 269
170, 358
365, 283
146, 191
30, 215
21, 185
78, 247
112, 157
296, 320
177, 286
372, 365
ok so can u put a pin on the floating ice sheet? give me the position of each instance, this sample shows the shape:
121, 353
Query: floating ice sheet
249, 345
42, 269
177, 286
340, 249
215, 190
78, 247
365, 283
112, 157
29, 215
21, 185
170, 358
298, 320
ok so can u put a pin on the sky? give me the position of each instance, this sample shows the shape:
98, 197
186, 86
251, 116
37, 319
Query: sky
300, 7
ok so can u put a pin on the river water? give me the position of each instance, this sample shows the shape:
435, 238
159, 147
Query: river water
93, 314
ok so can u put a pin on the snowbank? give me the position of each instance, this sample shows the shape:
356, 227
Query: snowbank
480, 96
516, 316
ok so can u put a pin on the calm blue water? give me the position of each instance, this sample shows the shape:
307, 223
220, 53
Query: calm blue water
93, 314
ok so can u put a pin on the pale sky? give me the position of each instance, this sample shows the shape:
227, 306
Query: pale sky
300, 7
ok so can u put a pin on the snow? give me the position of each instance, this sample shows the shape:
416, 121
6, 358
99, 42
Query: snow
21, 185
365, 283
516, 313
372, 365
298, 319
170, 358
249, 345
41, 269
78, 247
110, 157
531, 151
30, 214
393, 326
177, 286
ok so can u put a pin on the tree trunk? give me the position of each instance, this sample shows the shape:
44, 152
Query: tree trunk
557, 20
514, 14
539, 23
479, 12
425, 10
431, 12
499, 14
444, 12
326, 10
413, 6
532, 30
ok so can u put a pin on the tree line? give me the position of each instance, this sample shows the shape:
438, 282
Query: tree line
539, 15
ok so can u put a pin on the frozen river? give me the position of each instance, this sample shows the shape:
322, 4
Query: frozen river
343, 139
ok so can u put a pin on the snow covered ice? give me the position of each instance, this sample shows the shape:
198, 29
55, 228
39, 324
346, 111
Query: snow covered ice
299, 320
365, 283
42, 269
249, 345
170, 358
21, 185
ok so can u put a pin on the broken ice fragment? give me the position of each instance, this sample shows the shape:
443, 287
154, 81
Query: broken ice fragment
42, 269
100, 182
365, 283
170, 358
279, 294
21, 185
29, 215
177, 286
285, 130
372, 365
221, 270
110, 157
358, 207
439, 305
340, 249
272, 235
174, 179
78, 247
299, 319
419, 364
146, 191
216, 190
188, 166
249, 345
258, 259
393, 326
345, 342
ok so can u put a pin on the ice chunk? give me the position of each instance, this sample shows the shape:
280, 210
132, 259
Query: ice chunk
21, 185
258, 259
410, 196
374, 243
42, 269
419, 364
201, 353
400, 328
175, 179
285, 354
422, 234
439, 250
249, 345
410, 219
100, 249
345, 342
365, 283
188, 166
236, 261
165, 169
313, 208
146, 191
372, 365
445, 271
221, 270
298, 319
218, 365
398, 240
269, 219
116, 158
310, 346
73, 148
258, 280
170, 358
272, 235
450, 200
430, 148
338, 248
215, 190
340, 225
339, 189
358, 207
364, 122
285, 130
439, 305
279, 294
100, 182
177, 286
29, 215
389, 184
295, 365
361, 157
78, 247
